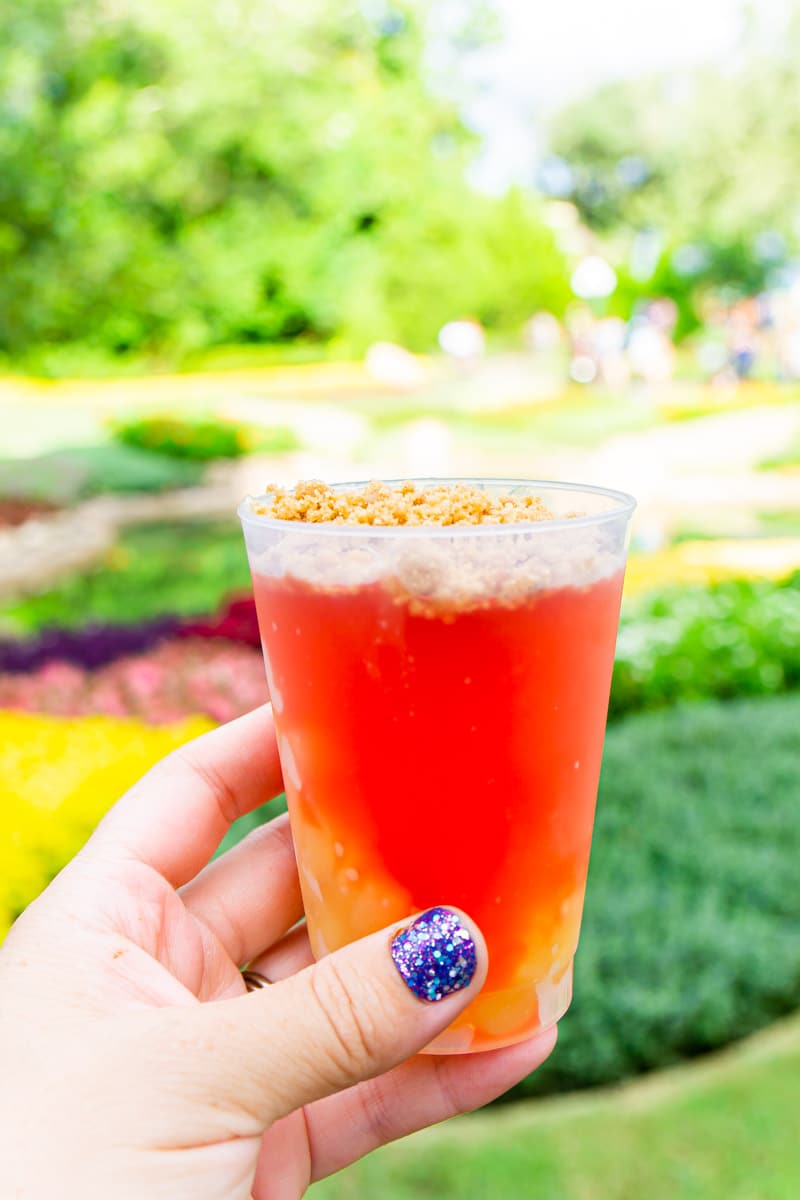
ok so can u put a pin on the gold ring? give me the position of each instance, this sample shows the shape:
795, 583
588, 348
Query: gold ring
253, 981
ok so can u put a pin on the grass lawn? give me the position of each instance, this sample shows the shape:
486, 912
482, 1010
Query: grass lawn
724, 1128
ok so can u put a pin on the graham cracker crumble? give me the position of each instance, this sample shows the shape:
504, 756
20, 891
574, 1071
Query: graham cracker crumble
315, 502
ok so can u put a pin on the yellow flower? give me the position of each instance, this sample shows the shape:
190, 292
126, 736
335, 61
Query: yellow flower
700, 563
58, 776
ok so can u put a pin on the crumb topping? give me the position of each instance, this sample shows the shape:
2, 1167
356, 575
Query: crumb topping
315, 502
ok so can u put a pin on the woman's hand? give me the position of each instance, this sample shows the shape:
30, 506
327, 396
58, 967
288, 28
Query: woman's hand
134, 1063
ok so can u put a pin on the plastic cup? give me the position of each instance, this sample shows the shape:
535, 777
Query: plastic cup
440, 696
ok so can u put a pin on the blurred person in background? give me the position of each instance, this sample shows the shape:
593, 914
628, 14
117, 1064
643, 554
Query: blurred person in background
743, 323
785, 328
651, 354
463, 341
583, 360
543, 334
609, 342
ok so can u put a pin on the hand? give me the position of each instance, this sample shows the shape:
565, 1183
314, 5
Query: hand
134, 1063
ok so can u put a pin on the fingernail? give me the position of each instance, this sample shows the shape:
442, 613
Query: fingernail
436, 955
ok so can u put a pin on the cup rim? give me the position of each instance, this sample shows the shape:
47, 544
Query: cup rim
624, 506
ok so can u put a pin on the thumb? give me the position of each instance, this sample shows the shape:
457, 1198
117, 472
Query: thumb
352, 1015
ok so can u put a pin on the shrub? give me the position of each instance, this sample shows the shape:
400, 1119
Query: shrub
202, 440
737, 638
693, 907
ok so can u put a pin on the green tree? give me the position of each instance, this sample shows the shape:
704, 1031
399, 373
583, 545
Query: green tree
706, 158
174, 176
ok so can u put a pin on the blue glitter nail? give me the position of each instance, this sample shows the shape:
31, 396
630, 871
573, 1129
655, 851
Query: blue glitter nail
436, 955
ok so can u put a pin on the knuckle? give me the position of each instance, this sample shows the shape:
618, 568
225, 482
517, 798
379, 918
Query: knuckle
187, 758
350, 1014
276, 836
453, 1099
378, 1112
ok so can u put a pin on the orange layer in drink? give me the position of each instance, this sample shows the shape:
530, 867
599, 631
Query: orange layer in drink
446, 759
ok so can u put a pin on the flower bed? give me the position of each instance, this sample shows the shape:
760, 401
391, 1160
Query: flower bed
57, 779
185, 568
94, 646
178, 678
728, 639
90, 647
236, 623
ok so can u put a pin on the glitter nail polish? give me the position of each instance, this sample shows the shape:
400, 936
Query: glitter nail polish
436, 955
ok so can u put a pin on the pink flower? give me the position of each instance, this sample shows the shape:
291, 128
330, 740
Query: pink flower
187, 676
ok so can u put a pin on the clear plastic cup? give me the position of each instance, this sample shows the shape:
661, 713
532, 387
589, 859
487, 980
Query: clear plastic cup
440, 695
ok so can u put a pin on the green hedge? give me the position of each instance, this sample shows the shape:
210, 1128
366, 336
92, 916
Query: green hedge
202, 440
690, 938
737, 638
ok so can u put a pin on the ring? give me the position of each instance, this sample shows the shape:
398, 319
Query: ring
253, 981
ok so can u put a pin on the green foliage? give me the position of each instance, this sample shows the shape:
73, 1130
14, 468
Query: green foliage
687, 140
692, 909
201, 440
66, 476
504, 261
739, 638
658, 154
175, 177
156, 569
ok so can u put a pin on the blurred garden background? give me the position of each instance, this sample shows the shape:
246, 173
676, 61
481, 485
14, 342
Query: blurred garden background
253, 241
